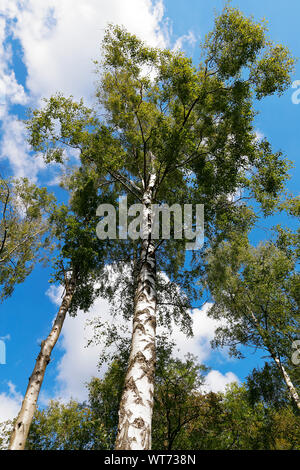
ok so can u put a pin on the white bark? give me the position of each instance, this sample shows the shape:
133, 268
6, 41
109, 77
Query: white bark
289, 383
136, 406
24, 419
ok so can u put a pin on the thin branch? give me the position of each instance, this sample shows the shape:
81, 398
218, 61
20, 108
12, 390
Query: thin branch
4, 216
119, 177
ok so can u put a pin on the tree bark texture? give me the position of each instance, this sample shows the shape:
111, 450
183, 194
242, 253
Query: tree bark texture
136, 406
24, 419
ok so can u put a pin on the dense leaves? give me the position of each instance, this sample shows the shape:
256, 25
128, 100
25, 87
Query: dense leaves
184, 417
24, 230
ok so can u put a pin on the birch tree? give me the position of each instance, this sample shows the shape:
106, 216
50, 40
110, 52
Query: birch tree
256, 289
172, 133
80, 257
25, 416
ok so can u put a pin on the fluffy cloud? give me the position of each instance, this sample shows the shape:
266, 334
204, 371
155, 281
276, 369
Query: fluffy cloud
203, 329
15, 149
259, 135
78, 362
10, 90
217, 382
189, 38
10, 403
59, 40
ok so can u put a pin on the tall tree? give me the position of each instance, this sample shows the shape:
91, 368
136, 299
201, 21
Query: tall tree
25, 416
172, 133
80, 257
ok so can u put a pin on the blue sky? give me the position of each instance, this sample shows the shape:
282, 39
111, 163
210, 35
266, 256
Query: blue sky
48, 46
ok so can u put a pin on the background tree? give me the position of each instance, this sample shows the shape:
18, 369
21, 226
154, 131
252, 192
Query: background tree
256, 290
281, 428
173, 133
177, 399
24, 230
71, 426
265, 385
233, 420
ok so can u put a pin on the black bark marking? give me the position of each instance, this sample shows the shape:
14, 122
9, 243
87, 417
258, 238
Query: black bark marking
144, 311
139, 423
152, 321
139, 326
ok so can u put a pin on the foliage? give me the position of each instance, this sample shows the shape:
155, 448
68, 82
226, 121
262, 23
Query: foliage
192, 126
66, 427
185, 418
24, 230
256, 291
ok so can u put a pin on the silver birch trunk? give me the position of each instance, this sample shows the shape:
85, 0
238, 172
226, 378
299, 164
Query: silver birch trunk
22, 425
289, 383
136, 406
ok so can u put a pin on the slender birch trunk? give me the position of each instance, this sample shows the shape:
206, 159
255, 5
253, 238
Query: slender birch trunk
25, 416
293, 392
287, 379
136, 406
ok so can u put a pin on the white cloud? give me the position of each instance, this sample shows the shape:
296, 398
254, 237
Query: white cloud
55, 294
11, 92
10, 403
217, 382
203, 328
259, 135
16, 150
189, 38
78, 363
60, 38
